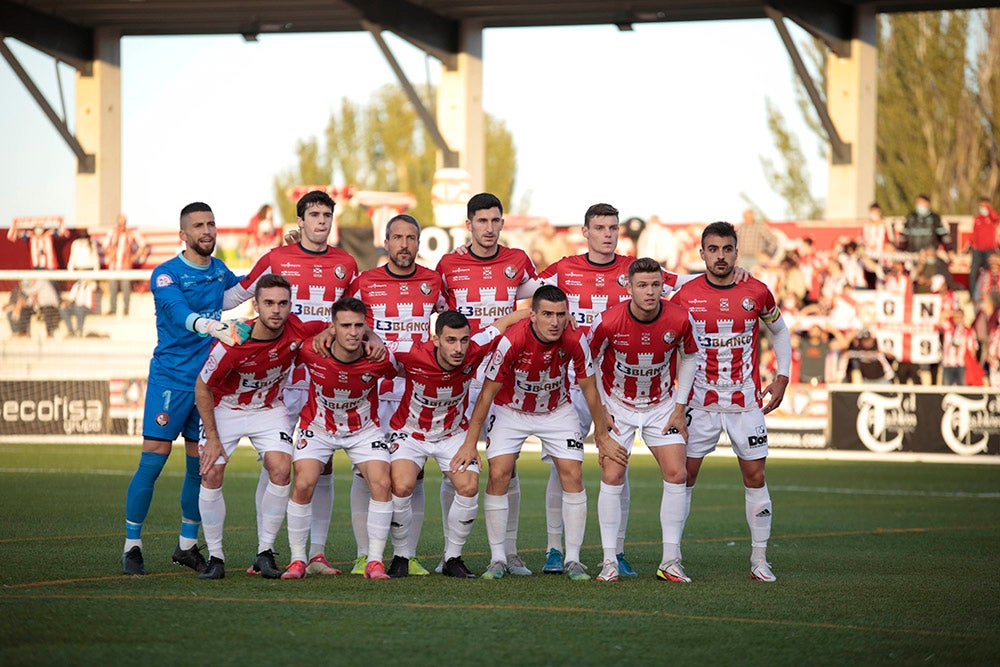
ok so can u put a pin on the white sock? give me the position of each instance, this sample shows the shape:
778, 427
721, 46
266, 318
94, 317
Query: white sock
689, 492
447, 498
185, 542
379, 519
402, 515
609, 515
495, 510
553, 510
626, 501
417, 503
672, 519
258, 497
322, 508
361, 497
212, 506
272, 513
575, 520
461, 518
298, 529
759, 515
513, 514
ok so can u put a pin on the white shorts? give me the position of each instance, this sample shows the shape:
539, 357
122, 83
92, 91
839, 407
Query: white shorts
403, 446
362, 446
649, 423
267, 429
387, 406
558, 430
747, 431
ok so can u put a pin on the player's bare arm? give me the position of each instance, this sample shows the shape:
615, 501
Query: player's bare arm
468, 453
212, 450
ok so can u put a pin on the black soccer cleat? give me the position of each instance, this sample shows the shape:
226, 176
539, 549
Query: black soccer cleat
455, 567
191, 558
266, 566
132, 562
399, 567
216, 569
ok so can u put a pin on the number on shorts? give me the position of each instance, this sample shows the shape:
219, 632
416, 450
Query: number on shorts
166, 400
489, 427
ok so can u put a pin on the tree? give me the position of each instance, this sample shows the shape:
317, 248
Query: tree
383, 145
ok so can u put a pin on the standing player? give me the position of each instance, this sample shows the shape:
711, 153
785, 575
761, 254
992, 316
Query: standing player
342, 413
238, 394
319, 274
528, 375
727, 392
633, 346
188, 291
484, 282
431, 423
401, 296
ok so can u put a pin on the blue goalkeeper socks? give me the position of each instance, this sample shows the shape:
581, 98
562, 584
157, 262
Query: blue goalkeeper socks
140, 492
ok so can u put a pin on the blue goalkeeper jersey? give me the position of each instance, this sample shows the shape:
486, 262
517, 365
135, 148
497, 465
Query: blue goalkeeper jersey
183, 292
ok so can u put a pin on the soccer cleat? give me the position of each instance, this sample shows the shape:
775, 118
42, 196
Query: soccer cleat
625, 568
416, 569
673, 571
455, 567
359, 564
375, 570
609, 571
517, 566
297, 570
253, 569
577, 571
762, 572
496, 570
266, 566
318, 564
216, 569
440, 566
399, 567
191, 558
553, 562
132, 562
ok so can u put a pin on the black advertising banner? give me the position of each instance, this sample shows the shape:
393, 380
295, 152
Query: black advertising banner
893, 418
54, 407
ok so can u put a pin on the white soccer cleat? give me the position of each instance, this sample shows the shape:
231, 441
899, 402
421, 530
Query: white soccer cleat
762, 572
517, 566
609, 571
673, 571
496, 570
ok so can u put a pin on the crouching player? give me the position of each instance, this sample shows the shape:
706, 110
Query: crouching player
341, 412
633, 345
238, 393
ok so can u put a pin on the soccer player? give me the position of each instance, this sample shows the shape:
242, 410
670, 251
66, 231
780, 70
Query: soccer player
484, 281
342, 413
726, 386
633, 346
188, 291
528, 376
238, 393
319, 274
431, 423
401, 296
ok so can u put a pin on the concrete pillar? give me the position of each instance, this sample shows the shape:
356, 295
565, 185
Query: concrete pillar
460, 106
852, 93
99, 130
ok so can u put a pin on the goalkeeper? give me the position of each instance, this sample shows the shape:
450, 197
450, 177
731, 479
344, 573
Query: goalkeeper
189, 293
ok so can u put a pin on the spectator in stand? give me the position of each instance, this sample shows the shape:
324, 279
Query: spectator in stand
81, 301
262, 233
959, 348
879, 234
83, 254
994, 358
923, 228
19, 312
793, 288
984, 323
852, 261
985, 242
658, 242
897, 280
864, 362
44, 298
124, 249
548, 246
989, 279
814, 350
756, 242
41, 245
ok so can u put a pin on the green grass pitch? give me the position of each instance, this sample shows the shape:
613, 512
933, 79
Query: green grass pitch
876, 563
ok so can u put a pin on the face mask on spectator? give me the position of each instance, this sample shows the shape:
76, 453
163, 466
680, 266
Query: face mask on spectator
922, 210
983, 210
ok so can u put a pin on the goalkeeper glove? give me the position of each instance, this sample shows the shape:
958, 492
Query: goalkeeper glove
230, 332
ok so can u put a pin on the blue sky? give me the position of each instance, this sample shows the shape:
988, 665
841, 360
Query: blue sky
668, 119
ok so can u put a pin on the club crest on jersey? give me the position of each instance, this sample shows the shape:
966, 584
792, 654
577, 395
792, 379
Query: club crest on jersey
562, 353
339, 272
425, 289
467, 370
510, 271
668, 337
748, 305
162, 419
294, 345
163, 280
366, 378
622, 280
724, 304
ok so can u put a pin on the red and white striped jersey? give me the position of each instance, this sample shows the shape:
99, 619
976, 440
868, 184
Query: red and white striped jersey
593, 288
342, 395
399, 307
727, 330
251, 376
484, 289
635, 358
959, 344
434, 400
535, 375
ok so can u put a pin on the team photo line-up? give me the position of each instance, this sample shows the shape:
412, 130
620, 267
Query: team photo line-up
337, 359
